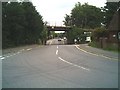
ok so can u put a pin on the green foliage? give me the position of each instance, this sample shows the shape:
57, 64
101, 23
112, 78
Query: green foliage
75, 33
67, 21
21, 24
84, 16
94, 44
99, 32
43, 35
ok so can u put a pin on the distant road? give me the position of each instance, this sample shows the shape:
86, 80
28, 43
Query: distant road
58, 66
56, 42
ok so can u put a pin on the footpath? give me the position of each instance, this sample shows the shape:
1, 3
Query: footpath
97, 51
19, 49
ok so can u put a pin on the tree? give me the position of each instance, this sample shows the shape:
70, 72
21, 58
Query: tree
34, 24
86, 16
82, 17
13, 21
22, 24
75, 33
67, 21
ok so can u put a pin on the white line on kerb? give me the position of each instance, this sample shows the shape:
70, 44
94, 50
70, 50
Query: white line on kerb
73, 64
18, 52
29, 49
85, 51
56, 52
7, 56
2, 58
22, 50
94, 54
14, 54
50, 42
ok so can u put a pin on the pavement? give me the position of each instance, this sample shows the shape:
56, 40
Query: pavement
58, 66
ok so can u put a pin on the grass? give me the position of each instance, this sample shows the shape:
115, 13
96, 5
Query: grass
109, 46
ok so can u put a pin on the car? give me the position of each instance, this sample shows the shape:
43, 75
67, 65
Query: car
59, 39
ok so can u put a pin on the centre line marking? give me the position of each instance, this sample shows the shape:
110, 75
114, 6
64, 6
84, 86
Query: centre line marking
73, 64
57, 47
56, 52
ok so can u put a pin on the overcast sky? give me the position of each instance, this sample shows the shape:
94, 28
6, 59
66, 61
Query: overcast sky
53, 11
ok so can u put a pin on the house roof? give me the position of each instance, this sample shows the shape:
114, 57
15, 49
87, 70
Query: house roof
115, 22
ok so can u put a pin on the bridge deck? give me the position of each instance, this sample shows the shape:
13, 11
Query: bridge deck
58, 28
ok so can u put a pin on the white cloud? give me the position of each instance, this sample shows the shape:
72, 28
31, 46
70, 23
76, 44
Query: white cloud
54, 11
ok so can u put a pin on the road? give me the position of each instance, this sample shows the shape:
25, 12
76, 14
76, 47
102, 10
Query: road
58, 66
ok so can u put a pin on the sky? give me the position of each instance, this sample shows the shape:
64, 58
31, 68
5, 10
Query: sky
53, 11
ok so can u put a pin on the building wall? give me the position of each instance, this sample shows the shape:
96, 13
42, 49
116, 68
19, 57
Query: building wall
113, 37
114, 28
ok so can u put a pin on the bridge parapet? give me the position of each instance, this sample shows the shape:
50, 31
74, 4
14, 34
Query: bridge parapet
59, 28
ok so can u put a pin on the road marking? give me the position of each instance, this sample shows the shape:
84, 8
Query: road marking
14, 54
7, 56
50, 42
29, 49
18, 52
73, 64
56, 52
2, 58
95, 54
86, 51
10, 55
57, 47
22, 50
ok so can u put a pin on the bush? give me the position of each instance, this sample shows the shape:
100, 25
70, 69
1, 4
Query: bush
99, 32
110, 46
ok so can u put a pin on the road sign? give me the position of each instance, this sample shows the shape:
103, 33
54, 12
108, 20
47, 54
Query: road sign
88, 39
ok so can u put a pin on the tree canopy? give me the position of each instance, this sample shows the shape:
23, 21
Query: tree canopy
21, 25
84, 16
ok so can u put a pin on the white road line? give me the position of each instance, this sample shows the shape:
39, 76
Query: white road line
18, 52
94, 54
22, 50
73, 64
86, 51
7, 56
10, 55
14, 54
29, 49
57, 47
2, 58
56, 52
50, 42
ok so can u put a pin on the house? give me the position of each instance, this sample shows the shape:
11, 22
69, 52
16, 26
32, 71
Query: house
114, 28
